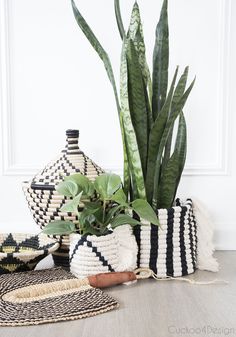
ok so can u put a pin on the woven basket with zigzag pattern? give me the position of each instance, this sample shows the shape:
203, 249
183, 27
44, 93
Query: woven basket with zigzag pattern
45, 202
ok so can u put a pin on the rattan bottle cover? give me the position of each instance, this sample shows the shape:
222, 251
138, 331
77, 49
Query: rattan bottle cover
43, 199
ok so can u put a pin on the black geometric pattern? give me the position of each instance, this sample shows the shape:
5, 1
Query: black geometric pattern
44, 201
21, 252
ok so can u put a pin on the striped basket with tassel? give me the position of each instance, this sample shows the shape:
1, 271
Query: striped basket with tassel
171, 248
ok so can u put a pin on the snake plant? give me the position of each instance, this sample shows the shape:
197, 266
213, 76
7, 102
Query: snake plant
148, 109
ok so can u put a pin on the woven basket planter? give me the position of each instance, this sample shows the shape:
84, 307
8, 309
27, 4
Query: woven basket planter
169, 250
21, 252
90, 254
45, 202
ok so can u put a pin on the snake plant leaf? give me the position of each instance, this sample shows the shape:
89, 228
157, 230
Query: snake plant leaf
181, 145
126, 171
134, 159
98, 47
171, 174
179, 91
169, 125
137, 102
160, 62
168, 182
155, 139
106, 61
135, 33
119, 18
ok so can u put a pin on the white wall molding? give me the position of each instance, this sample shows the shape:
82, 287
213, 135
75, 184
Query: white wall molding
220, 167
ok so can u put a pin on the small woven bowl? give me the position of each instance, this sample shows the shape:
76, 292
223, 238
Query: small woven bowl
22, 252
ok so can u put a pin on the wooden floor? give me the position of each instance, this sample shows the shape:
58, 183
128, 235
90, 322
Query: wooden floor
155, 309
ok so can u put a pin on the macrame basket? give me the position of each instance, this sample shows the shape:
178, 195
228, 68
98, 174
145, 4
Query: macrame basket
114, 252
45, 202
171, 249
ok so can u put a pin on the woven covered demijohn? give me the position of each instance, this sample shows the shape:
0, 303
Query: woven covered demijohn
43, 199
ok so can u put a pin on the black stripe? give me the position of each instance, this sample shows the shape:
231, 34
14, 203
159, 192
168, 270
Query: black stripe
154, 248
195, 236
79, 243
42, 187
99, 255
137, 232
191, 238
182, 244
169, 244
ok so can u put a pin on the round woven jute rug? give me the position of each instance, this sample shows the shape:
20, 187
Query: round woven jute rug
46, 296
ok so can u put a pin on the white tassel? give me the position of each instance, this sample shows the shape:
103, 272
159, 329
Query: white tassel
127, 248
205, 231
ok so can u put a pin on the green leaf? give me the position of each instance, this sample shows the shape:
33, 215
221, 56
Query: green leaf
179, 91
120, 198
107, 184
145, 211
172, 172
160, 62
92, 205
135, 33
155, 139
135, 166
119, 18
60, 228
168, 181
181, 146
123, 219
72, 205
169, 125
67, 188
83, 183
137, 102
106, 61
112, 212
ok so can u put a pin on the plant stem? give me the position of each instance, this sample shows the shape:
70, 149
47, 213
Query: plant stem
104, 211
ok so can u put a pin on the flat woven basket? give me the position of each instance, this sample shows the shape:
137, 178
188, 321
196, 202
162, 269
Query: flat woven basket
45, 202
170, 249
33, 298
21, 252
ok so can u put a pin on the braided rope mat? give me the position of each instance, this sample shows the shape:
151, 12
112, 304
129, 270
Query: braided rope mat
68, 304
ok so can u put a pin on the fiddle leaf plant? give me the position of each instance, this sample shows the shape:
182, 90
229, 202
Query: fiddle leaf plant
106, 209
148, 108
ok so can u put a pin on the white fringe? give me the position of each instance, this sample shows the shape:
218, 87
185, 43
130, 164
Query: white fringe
205, 232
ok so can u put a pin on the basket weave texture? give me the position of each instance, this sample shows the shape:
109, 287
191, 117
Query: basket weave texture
21, 252
170, 249
45, 202
32, 309
114, 252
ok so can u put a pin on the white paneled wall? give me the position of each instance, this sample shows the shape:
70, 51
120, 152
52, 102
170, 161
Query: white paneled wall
51, 80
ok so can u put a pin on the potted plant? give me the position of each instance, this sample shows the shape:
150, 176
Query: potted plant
153, 161
102, 240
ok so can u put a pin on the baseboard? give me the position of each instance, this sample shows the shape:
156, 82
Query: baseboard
225, 239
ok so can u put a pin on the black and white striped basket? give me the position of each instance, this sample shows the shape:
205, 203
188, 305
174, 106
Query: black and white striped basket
114, 252
171, 249
43, 199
